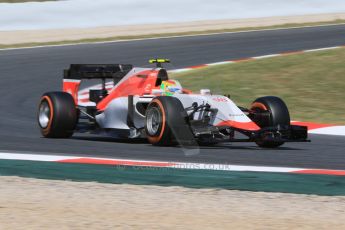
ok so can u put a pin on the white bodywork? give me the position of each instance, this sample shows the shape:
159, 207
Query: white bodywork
115, 115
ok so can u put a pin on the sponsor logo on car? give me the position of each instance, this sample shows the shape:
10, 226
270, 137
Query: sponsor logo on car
220, 99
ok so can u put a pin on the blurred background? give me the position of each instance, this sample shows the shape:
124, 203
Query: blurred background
90, 13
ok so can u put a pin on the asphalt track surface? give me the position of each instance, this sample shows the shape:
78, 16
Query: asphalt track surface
25, 74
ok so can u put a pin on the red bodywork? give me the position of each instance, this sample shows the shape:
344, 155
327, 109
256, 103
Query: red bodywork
140, 84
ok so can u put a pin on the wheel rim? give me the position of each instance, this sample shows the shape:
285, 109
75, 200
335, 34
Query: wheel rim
154, 121
44, 114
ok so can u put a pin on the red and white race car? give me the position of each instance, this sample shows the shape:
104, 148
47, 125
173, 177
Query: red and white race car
145, 103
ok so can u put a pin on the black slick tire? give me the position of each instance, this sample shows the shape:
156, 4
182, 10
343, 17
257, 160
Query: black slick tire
166, 122
278, 115
57, 115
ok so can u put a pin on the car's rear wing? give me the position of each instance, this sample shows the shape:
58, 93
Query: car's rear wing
77, 72
97, 71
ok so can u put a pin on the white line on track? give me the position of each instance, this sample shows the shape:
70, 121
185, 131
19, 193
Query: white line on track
253, 58
180, 165
176, 165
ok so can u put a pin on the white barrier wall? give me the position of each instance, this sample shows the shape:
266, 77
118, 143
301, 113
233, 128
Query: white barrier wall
92, 13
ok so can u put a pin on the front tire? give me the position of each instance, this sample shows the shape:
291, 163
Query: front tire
166, 122
57, 115
278, 116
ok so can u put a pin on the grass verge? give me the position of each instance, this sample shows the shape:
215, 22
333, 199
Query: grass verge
312, 84
120, 38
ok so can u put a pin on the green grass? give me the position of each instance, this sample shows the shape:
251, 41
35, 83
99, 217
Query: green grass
119, 38
312, 84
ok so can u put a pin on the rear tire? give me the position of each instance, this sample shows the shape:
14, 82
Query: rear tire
278, 115
166, 124
57, 115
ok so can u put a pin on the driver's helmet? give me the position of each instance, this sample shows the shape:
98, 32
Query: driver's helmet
170, 87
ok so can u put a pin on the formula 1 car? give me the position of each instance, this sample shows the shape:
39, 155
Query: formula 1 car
145, 103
